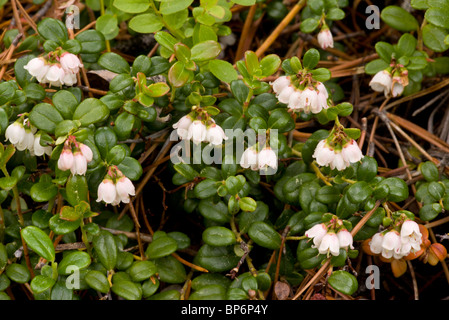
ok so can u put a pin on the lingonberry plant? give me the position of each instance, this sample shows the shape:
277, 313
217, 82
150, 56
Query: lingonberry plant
194, 163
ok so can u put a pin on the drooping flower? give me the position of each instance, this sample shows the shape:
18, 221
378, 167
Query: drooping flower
345, 239
27, 143
15, 132
74, 156
280, 84
38, 149
397, 87
215, 134
336, 158
197, 132
329, 243
106, 191
70, 62
325, 38
267, 158
182, 126
323, 153
351, 152
65, 161
55, 75
79, 164
375, 244
69, 79
381, 82
391, 245
37, 67
284, 95
86, 151
115, 188
317, 232
125, 188
250, 158
294, 102
410, 234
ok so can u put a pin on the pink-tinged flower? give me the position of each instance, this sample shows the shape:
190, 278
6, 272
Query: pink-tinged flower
351, 152
375, 245
294, 101
317, 232
37, 68
397, 87
38, 149
15, 132
197, 132
70, 62
107, 191
391, 245
182, 126
320, 105
215, 134
325, 38
267, 158
381, 82
411, 235
323, 154
86, 152
65, 161
284, 95
309, 99
250, 159
125, 188
322, 89
79, 164
329, 243
345, 239
27, 142
55, 75
280, 84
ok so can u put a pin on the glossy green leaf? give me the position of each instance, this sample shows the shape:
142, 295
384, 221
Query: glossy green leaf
264, 235
343, 282
161, 247
39, 242
218, 236
399, 19
97, 281
106, 249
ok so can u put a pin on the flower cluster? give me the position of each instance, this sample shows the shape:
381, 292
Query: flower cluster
23, 136
330, 237
200, 130
313, 98
328, 154
115, 188
62, 72
74, 156
397, 244
325, 39
259, 160
389, 81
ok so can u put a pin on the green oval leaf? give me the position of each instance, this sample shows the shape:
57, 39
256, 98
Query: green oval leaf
218, 236
343, 282
161, 247
264, 235
39, 242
